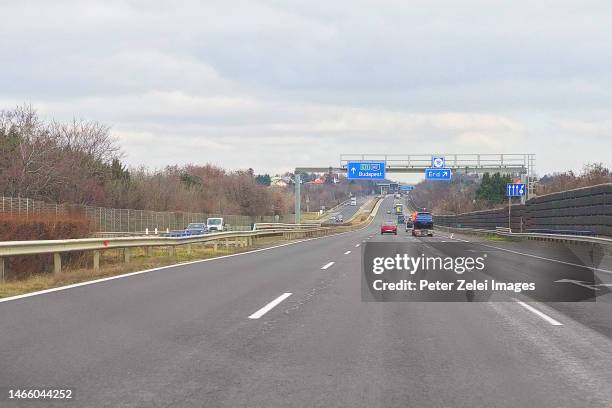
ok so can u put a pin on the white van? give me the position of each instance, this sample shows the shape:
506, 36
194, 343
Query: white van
215, 224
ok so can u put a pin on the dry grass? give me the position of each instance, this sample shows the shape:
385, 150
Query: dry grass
111, 264
310, 216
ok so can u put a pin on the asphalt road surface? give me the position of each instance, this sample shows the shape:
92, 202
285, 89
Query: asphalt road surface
347, 211
286, 327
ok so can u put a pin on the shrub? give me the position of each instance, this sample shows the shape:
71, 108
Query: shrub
38, 227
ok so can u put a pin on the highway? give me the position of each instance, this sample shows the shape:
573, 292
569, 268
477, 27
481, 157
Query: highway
347, 211
286, 326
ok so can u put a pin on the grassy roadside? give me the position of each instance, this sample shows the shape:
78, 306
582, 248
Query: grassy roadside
488, 236
495, 237
111, 264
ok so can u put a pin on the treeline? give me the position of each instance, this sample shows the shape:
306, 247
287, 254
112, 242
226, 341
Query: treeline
591, 175
80, 162
456, 196
470, 193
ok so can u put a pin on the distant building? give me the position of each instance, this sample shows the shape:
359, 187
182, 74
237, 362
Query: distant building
278, 181
320, 180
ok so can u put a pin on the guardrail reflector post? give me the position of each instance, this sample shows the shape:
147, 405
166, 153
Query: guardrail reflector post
126, 255
2, 276
57, 263
96, 260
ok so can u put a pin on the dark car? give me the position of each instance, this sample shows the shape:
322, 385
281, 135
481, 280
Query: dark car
409, 224
388, 228
196, 228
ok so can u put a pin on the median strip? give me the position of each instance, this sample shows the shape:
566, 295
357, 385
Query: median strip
269, 306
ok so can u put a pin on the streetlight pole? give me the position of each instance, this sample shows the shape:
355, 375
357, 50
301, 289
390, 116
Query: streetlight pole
298, 198
509, 212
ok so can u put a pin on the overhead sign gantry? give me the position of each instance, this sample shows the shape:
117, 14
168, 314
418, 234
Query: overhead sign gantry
441, 165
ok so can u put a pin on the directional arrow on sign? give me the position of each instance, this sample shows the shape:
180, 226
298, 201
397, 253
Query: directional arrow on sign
353, 170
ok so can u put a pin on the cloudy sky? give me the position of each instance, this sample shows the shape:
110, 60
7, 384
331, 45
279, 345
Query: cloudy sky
278, 84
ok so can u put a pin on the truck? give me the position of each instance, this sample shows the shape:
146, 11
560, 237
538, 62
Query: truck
422, 224
353, 200
399, 208
401, 219
215, 224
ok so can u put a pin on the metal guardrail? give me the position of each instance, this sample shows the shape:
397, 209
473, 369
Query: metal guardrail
271, 225
56, 247
238, 238
534, 236
564, 232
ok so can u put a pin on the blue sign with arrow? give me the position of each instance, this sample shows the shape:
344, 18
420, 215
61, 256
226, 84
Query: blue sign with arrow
515, 190
361, 170
438, 174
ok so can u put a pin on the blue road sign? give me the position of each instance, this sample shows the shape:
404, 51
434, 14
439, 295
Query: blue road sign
515, 190
438, 174
361, 170
406, 188
437, 162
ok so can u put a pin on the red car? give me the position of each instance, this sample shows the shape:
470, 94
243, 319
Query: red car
388, 228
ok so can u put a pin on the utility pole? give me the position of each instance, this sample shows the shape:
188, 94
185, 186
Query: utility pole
509, 212
298, 198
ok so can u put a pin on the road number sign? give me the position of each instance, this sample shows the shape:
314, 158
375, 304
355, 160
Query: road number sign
437, 162
361, 170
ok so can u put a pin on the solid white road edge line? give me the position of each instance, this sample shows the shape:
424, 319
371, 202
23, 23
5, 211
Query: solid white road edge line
537, 312
327, 265
269, 306
538, 256
125, 275
347, 252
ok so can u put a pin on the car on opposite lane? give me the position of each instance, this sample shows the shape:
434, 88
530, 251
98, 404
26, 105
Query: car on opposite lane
196, 228
388, 227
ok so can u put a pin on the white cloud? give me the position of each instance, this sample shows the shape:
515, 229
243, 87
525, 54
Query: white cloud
272, 85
